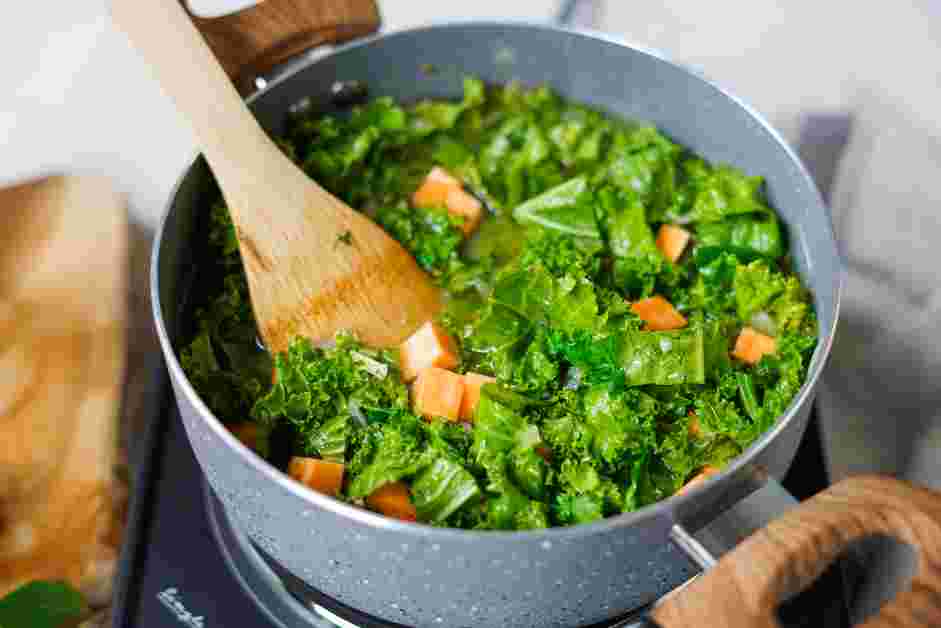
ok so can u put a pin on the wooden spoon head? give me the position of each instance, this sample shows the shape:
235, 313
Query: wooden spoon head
304, 278
328, 269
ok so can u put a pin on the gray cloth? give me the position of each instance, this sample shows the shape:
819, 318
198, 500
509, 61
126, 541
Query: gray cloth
881, 393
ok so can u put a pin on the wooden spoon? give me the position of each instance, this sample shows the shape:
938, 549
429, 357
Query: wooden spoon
745, 588
303, 276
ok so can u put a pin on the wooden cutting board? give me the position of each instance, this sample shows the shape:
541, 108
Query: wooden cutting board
63, 287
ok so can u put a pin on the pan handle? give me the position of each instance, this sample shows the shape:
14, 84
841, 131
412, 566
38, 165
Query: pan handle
765, 499
253, 40
751, 502
746, 586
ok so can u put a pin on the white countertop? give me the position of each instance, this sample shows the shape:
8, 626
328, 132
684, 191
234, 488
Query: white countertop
857, 80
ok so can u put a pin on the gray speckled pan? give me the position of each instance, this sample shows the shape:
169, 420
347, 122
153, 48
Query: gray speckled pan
427, 577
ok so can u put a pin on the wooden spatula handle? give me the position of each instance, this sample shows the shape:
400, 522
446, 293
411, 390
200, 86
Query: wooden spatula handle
747, 585
189, 74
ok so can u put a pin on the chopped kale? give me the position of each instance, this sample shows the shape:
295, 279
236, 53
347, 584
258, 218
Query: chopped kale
593, 414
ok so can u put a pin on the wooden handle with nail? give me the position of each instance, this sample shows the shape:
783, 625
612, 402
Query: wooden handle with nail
746, 587
251, 42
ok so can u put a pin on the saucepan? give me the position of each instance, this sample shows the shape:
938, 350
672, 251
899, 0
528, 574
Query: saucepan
416, 575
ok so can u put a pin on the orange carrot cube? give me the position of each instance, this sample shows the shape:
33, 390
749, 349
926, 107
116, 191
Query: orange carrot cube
320, 475
429, 346
435, 188
247, 432
442, 189
393, 500
460, 203
544, 452
694, 427
672, 241
702, 476
658, 314
438, 392
472, 384
751, 345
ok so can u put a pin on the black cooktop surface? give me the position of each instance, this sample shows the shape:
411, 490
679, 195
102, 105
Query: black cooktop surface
174, 572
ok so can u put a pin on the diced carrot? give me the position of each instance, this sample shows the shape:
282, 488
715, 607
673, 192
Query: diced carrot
672, 241
751, 345
442, 189
460, 203
247, 432
393, 500
429, 346
472, 384
694, 429
438, 392
544, 452
435, 188
702, 476
274, 375
321, 475
658, 314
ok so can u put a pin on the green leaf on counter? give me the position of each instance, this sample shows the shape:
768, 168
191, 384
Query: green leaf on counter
41, 604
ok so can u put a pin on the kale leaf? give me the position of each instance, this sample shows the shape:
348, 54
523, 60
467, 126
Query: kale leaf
759, 289
431, 234
591, 415
317, 390
395, 453
566, 208
720, 192
442, 488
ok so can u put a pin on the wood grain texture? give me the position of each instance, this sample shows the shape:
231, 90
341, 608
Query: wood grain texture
63, 308
302, 278
251, 42
747, 585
